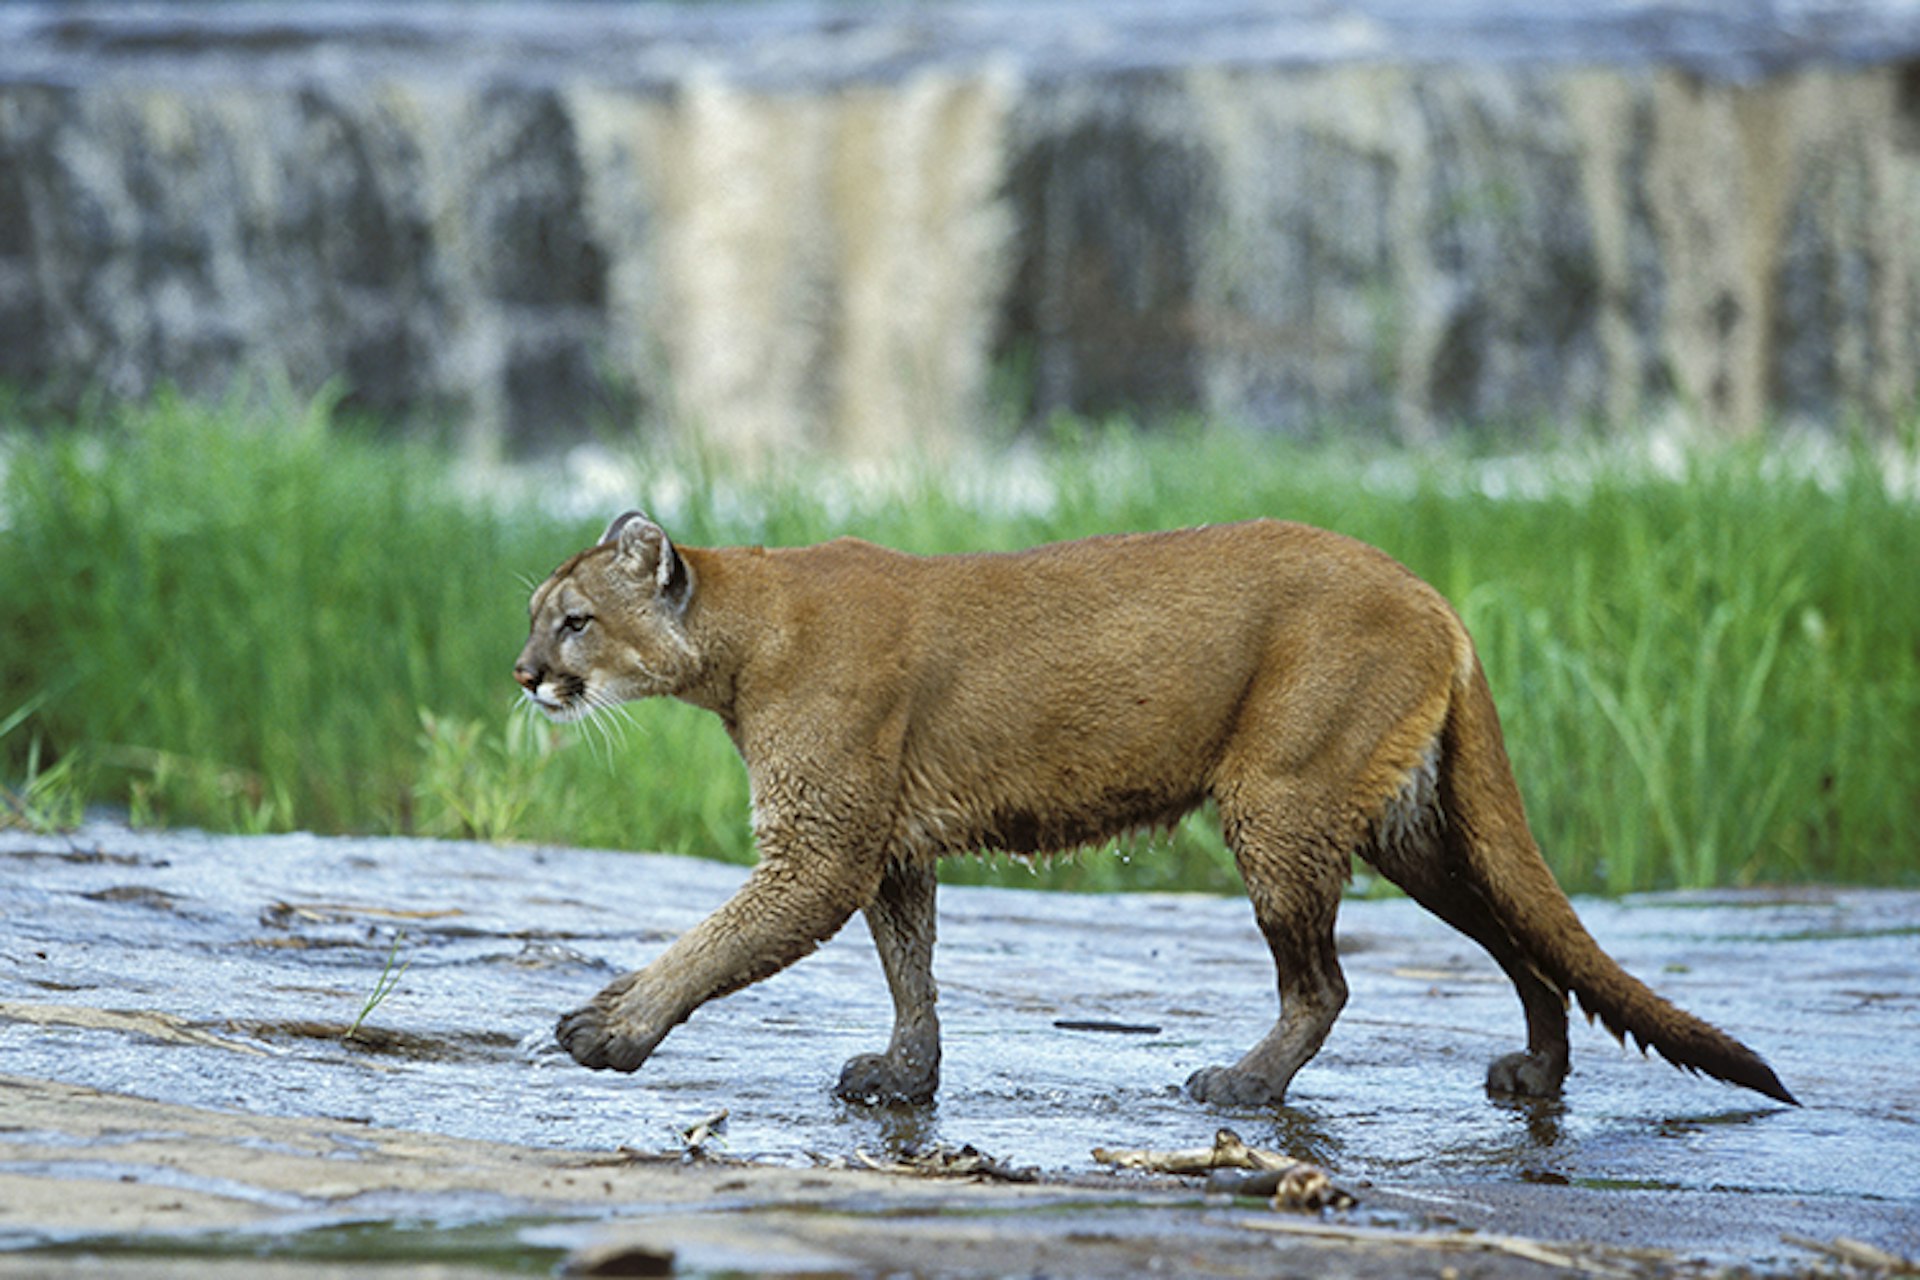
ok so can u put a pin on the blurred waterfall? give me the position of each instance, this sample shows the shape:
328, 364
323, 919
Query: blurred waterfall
871, 228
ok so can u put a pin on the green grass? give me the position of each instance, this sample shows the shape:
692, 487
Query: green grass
1709, 672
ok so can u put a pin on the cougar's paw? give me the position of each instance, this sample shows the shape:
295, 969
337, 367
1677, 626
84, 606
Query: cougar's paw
1231, 1087
876, 1079
1526, 1075
597, 1039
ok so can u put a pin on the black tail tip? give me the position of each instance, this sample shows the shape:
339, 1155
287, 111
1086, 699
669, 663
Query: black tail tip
1735, 1064
1762, 1080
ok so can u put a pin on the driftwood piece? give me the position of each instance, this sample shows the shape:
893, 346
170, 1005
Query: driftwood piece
1227, 1152
940, 1161
1292, 1184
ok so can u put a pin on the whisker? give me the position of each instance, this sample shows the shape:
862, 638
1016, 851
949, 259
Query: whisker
613, 706
588, 704
610, 720
527, 711
594, 733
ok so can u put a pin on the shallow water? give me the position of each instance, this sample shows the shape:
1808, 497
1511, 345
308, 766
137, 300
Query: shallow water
227, 969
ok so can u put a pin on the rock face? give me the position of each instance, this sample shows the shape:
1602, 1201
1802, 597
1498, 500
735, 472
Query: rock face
870, 228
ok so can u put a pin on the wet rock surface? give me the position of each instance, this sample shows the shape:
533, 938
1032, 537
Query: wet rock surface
174, 1033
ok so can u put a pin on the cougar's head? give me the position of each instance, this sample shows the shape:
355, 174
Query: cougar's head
610, 625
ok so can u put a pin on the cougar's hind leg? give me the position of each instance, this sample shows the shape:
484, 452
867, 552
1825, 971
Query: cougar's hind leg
1419, 863
1294, 881
902, 920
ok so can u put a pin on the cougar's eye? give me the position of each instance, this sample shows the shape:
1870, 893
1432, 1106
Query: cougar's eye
574, 623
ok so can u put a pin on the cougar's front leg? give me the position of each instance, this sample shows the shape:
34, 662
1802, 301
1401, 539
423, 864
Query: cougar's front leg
798, 897
901, 918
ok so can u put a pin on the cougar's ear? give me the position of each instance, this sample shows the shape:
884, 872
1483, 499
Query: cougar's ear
643, 549
621, 521
671, 577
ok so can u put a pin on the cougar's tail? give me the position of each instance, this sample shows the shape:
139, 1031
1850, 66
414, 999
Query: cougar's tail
1488, 830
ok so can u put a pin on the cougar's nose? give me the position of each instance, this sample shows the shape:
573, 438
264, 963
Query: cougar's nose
526, 676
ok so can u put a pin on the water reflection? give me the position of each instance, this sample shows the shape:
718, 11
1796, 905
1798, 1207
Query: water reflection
1301, 1135
1541, 1116
896, 1130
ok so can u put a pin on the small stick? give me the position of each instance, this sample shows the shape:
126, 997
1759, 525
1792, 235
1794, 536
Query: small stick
1293, 1184
1227, 1152
695, 1135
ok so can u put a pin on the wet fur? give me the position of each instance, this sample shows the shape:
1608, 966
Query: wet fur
892, 710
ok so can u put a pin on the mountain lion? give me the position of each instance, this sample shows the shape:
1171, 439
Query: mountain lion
893, 709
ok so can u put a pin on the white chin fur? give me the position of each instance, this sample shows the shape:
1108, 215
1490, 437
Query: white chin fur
557, 711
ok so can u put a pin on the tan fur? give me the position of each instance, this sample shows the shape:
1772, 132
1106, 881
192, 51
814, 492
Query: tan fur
894, 709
